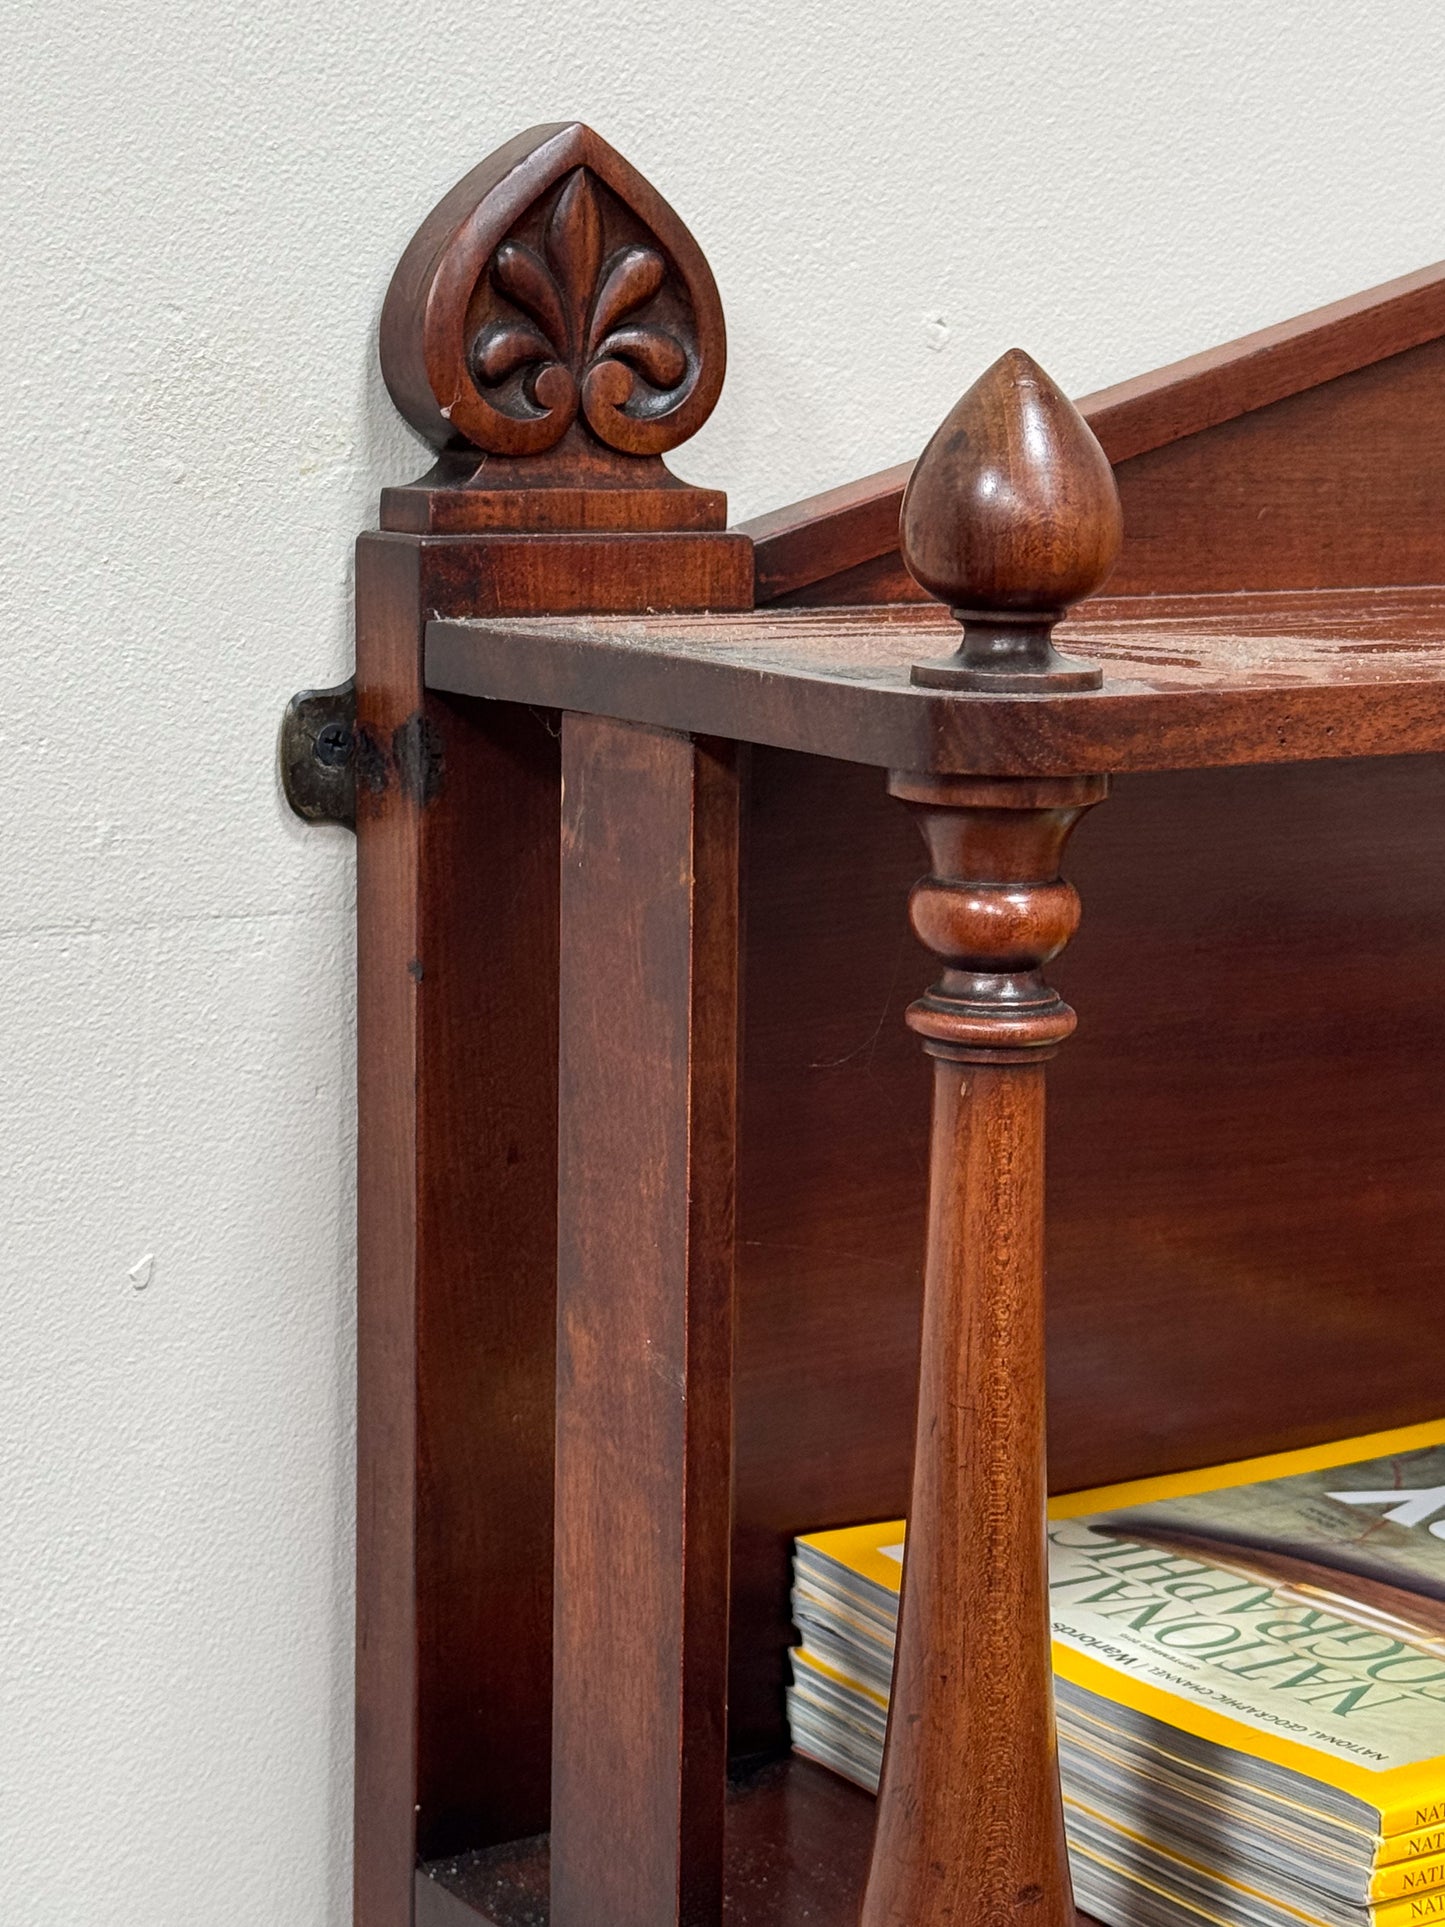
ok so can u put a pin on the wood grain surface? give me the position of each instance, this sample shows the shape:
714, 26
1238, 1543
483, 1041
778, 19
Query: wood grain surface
456, 1252
798, 1840
970, 1816
553, 311
1245, 1181
1332, 486
801, 547
970, 1821
1010, 517
648, 1054
1245, 1152
1189, 681
457, 824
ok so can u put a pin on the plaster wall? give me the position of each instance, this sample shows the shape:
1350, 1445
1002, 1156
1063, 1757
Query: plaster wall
202, 205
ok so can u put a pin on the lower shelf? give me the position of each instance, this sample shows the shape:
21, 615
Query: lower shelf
798, 1840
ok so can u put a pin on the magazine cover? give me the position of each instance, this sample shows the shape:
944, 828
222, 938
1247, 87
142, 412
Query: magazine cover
1278, 1623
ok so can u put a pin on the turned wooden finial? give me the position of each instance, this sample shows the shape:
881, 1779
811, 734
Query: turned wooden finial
1011, 516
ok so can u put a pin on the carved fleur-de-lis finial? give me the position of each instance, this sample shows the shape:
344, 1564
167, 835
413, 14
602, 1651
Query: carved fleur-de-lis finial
1011, 515
553, 353
554, 293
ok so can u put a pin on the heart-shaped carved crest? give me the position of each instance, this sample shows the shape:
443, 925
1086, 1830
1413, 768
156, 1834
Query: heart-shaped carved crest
553, 289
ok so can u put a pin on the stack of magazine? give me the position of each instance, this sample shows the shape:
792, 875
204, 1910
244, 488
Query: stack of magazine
1249, 1671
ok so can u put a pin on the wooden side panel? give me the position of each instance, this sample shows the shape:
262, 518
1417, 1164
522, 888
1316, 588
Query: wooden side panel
458, 822
1336, 487
487, 1175
821, 542
644, 1338
457, 1170
388, 890
833, 1160
1246, 1148
863, 586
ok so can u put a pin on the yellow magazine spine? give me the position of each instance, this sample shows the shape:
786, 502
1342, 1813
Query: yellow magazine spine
1410, 1846
1417, 1816
1404, 1877
1414, 1911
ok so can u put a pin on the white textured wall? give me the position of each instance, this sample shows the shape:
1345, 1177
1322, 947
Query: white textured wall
202, 205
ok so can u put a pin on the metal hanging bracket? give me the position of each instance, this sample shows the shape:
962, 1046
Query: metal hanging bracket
318, 754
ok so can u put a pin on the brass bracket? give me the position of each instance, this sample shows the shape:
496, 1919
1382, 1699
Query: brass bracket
318, 754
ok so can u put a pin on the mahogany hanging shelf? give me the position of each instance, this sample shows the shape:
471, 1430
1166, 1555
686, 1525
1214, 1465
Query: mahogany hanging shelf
661, 1260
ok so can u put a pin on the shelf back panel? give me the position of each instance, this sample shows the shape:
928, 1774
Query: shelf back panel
1335, 487
1246, 1151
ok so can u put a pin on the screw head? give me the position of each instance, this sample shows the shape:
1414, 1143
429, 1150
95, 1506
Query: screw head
333, 745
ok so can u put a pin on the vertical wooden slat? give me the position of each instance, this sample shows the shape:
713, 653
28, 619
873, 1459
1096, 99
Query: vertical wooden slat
487, 1180
388, 663
457, 908
648, 1026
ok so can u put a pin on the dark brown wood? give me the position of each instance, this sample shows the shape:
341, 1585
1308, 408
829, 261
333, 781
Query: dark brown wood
452, 1197
970, 1817
881, 579
1335, 487
549, 494
827, 535
797, 1848
833, 1160
1222, 1150
553, 327
798, 1839
1244, 1184
1010, 517
487, 1176
388, 887
1189, 682
1265, 367
648, 1110
970, 1824
1271, 499
507, 575
457, 811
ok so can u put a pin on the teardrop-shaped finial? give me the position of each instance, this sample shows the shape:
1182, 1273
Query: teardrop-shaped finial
1010, 516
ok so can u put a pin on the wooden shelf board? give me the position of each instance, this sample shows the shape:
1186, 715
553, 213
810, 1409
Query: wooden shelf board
1189, 681
797, 1851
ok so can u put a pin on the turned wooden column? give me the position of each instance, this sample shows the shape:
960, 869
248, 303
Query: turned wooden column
1013, 510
